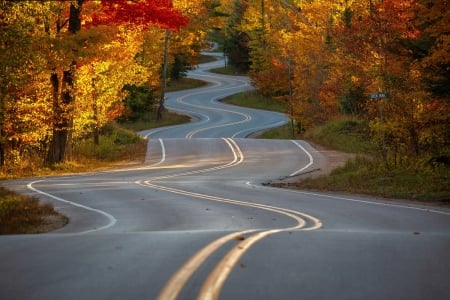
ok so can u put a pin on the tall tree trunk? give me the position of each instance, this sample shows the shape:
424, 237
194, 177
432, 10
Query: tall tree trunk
96, 127
60, 146
2, 146
54, 151
164, 77
2, 133
75, 17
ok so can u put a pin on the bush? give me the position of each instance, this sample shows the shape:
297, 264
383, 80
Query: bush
113, 145
346, 134
139, 103
409, 180
20, 214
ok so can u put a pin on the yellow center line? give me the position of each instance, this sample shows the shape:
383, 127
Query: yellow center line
213, 284
176, 283
238, 158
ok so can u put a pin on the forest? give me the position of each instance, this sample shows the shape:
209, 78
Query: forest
68, 68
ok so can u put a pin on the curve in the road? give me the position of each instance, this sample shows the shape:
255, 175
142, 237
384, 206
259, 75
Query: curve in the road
220, 87
213, 284
357, 235
111, 219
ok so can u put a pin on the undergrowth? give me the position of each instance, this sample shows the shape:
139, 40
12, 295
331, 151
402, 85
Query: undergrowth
413, 177
253, 99
23, 214
408, 180
118, 143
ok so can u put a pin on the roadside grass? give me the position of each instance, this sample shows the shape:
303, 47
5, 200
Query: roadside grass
116, 145
228, 70
169, 119
206, 59
364, 175
184, 84
22, 214
413, 178
345, 134
278, 133
253, 99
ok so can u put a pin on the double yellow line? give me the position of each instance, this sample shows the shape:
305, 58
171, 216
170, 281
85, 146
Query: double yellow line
214, 282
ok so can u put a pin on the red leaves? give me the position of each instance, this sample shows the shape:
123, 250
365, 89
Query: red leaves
140, 12
395, 16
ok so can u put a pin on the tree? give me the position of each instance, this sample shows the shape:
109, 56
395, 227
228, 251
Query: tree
237, 41
140, 12
45, 37
62, 87
24, 99
433, 47
113, 12
100, 81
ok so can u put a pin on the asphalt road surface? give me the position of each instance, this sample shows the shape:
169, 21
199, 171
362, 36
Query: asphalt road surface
194, 222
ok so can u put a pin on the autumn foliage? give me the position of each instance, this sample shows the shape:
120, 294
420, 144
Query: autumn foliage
326, 58
64, 65
140, 12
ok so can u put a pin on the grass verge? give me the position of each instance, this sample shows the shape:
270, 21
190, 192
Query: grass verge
253, 99
367, 176
169, 119
184, 84
22, 214
413, 178
228, 70
345, 134
206, 59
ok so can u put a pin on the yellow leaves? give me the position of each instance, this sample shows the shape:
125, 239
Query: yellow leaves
26, 118
99, 84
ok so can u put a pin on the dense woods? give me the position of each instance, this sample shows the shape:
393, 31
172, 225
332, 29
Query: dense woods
383, 61
69, 67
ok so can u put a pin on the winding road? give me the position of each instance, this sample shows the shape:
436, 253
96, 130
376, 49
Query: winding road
194, 222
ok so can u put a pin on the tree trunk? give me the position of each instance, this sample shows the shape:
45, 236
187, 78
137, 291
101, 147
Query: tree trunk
60, 146
96, 127
54, 151
2, 134
164, 77
75, 17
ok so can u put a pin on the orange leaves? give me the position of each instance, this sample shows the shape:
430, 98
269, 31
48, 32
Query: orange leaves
393, 16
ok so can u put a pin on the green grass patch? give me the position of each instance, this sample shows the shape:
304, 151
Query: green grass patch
279, 133
184, 84
253, 99
368, 176
169, 119
115, 144
228, 70
206, 59
412, 178
345, 134
21, 214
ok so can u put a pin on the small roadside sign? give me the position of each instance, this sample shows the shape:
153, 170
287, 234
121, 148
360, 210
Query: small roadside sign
380, 95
